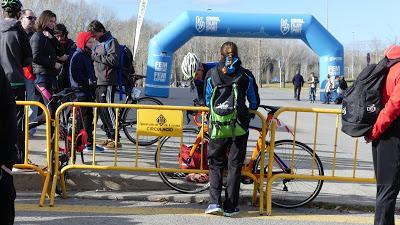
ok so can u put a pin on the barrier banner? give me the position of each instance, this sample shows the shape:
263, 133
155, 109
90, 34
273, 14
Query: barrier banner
162, 123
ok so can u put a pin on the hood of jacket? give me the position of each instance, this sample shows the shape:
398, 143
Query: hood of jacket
9, 24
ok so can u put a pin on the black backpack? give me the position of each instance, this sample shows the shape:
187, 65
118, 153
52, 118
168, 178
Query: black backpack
125, 67
362, 101
343, 84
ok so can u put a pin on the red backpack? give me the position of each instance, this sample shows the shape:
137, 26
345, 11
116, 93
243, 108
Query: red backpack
194, 162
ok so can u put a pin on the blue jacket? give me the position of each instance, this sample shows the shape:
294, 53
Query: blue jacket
81, 70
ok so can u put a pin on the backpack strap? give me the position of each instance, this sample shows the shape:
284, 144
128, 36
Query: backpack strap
392, 62
119, 71
215, 77
107, 44
70, 67
121, 60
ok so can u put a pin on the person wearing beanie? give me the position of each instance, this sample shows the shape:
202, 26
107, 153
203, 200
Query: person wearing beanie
82, 76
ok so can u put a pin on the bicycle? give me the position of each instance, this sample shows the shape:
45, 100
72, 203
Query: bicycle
65, 129
128, 119
287, 193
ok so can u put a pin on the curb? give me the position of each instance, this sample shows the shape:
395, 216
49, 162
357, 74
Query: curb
125, 187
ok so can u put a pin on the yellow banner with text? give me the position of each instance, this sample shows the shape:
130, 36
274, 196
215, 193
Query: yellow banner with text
162, 123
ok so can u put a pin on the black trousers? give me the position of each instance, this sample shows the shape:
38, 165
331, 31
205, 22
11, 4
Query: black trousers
297, 91
7, 197
19, 94
87, 116
218, 159
386, 156
105, 94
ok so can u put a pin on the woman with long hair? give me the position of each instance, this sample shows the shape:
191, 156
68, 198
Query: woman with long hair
48, 56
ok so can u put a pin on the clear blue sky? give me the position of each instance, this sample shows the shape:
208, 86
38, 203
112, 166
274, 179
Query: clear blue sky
368, 19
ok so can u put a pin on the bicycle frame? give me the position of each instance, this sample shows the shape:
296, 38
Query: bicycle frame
256, 150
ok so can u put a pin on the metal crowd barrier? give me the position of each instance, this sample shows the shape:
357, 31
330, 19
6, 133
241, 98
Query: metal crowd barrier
332, 177
258, 182
27, 165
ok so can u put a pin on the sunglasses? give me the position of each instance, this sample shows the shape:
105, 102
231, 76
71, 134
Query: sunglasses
31, 17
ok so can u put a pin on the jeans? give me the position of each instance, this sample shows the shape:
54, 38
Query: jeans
312, 92
328, 96
31, 96
297, 91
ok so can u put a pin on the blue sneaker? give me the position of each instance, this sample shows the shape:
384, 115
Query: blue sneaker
89, 148
214, 209
230, 213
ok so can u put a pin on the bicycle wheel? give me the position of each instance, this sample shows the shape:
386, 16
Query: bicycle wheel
292, 193
128, 122
169, 158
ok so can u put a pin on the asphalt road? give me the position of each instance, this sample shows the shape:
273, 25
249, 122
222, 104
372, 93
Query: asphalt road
109, 212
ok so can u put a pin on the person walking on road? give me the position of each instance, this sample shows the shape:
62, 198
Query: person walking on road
298, 82
385, 137
329, 86
312, 81
8, 152
227, 87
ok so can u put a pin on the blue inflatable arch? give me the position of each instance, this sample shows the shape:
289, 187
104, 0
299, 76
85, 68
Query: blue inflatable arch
221, 24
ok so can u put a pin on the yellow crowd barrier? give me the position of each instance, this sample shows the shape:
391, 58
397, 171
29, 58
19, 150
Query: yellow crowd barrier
332, 177
265, 198
27, 164
258, 181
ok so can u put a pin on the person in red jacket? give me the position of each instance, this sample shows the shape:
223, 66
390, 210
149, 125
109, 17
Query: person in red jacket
385, 138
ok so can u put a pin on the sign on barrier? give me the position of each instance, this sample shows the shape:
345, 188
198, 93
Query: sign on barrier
168, 123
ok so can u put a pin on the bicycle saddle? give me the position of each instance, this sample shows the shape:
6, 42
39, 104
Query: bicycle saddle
270, 109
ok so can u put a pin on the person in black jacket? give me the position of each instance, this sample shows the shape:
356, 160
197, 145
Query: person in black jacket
229, 70
298, 82
48, 57
28, 19
69, 47
82, 75
106, 59
15, 54
8, 152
